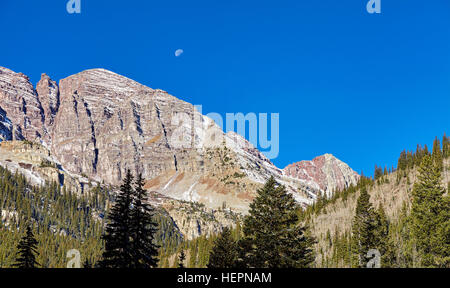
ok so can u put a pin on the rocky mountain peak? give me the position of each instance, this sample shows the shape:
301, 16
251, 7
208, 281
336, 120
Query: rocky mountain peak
98, 123
325, 172
48, 94
21, 104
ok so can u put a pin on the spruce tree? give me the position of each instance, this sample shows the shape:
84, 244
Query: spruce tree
181, 259
364, 230
117, 253
437, 154
378, 172
382, 236
273, 238
446, 146
27, 250
143, 229
224, 253
402, 161
430, 216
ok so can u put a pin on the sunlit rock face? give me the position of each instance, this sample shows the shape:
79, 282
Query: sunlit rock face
326, 173
20, 104
98, 124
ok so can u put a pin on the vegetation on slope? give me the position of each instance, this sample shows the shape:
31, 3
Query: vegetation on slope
392, 196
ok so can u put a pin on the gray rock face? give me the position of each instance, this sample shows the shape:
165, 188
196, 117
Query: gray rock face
48, 95
20, 102
107, 123
6, 127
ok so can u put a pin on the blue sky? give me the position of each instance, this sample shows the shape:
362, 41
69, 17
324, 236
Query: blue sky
360, 86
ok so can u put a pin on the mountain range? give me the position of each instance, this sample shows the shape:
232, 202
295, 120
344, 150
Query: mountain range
91, 127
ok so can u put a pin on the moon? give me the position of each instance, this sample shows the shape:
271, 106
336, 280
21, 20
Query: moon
179, 52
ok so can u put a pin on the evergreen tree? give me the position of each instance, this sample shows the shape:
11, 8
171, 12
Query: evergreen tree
181, 259
382, 236
446, 146
273, 237
364, 230
378, 172
402, 161
143, 229
224, 253
430, 216
117, 237
27, 250
437, 154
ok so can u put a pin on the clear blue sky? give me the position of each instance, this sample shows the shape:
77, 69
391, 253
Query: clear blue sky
362, 87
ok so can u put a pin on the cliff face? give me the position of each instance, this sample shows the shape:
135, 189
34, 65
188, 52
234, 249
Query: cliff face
6, 127
21, 105
99, 124
48, 95
35, 162
29, 111
107, 123
325, 172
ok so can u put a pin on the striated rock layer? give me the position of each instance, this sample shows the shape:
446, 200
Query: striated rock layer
326, 173
35, 162
98, 123
30, 112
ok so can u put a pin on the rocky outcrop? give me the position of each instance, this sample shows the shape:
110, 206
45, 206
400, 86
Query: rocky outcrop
6, 127
193, 219
20, 103
29, 111
48, 95
35, 162
326, 173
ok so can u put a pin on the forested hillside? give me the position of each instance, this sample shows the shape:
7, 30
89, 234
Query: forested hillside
393, 193
61, 221
382, 205
403, 213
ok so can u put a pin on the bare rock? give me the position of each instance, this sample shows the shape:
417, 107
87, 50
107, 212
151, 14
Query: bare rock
326, 173
99, 124
48, 95
19, 101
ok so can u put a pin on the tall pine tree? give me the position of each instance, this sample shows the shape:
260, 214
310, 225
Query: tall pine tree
382, 236
366, 233
273, 237
143, 229
430, 216
27, 250
181, 259
446, 146
118, 250
224, 253
437, 154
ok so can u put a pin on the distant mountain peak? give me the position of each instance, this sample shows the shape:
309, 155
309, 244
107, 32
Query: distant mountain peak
325, 172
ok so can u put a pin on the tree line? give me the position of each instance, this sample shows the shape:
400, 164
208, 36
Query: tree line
420, 237
273, 234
